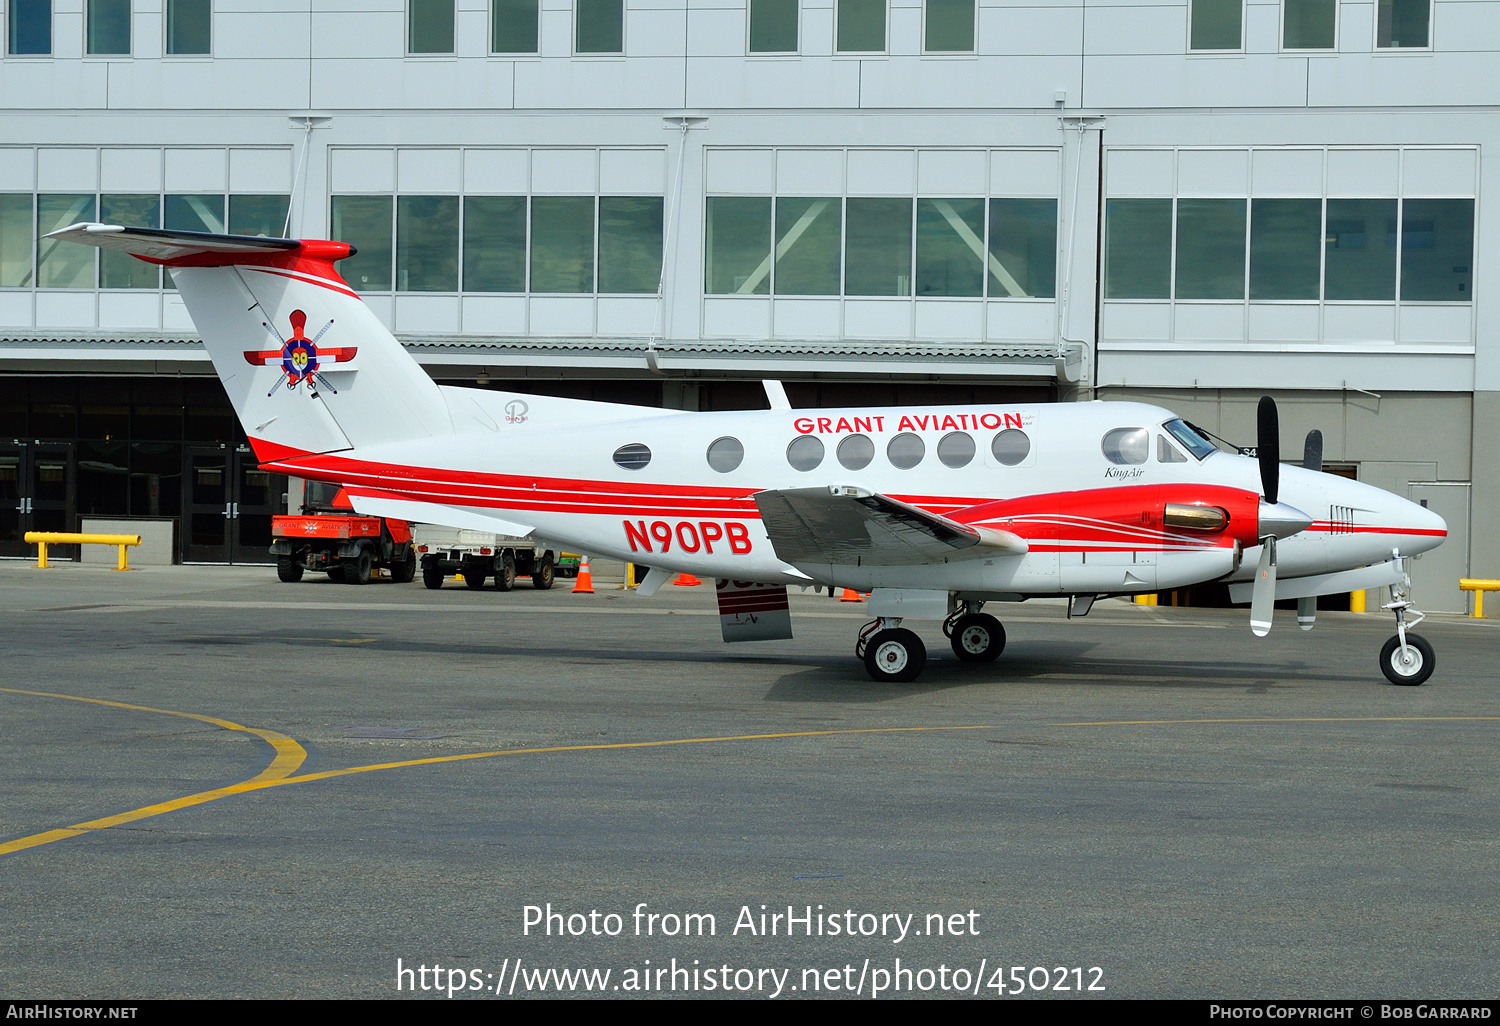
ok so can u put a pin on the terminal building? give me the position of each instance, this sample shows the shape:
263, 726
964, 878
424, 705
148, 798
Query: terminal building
1189, 202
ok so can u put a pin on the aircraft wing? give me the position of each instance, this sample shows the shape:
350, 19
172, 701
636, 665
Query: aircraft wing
850, 526
165, 244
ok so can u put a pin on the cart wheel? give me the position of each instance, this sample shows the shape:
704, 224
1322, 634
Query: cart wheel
357, 570
505, 573
473, 576
542, 573
404, 571
288, 569
432, 577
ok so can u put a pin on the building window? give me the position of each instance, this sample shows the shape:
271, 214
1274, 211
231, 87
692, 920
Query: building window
809, 238
29, 28
1403, 23
1210, 249
1437, 250
1137, 249
1309, 24
1023, 248
427, 244
108, 27
861, 26
495, 244
737, 246
429, 26
1360, 249
15, 239
877, 247
513, 26
119, 270
950, 247
1285, 248
600, 26
948, 26
1216, 25
258, 215
189, 26
773, 26
57, 266
630, 238
365, 222
562, 244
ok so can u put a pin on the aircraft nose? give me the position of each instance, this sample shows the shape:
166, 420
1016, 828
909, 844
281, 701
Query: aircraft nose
1423, 528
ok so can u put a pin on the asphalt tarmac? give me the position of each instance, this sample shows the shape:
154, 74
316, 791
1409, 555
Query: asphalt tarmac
1151, 797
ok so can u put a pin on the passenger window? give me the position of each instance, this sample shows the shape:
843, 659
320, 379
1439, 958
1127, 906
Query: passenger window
956, 449
906, 450
855, 452
805, 452
1010, 447
633, 456
1127, 445
725, 454
1166, 452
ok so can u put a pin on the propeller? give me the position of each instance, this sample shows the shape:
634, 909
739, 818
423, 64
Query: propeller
1312, 451
1277, 520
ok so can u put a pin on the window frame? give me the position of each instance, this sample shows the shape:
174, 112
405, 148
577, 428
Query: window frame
409, 53
597, 55
1294, 51
973, 51
129, 53
1379, 50
1238, 50
517, 55
772, 54
9, 8
167, 55
885, 51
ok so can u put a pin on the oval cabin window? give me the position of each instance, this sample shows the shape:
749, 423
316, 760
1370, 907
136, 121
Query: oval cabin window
855, 452
906, 450
725, 454
805, 452
1126, 446
956, 449
633, 456
1010, 447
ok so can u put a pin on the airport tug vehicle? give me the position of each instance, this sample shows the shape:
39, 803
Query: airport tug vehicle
329, 536
936, 513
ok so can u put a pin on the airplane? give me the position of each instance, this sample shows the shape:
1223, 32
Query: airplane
934, 512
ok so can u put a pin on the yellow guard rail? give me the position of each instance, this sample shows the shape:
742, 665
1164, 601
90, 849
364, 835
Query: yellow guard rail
1478, 587
41, 539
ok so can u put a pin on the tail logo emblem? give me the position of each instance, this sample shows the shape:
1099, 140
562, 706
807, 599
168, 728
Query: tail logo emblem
515, 411
299, 357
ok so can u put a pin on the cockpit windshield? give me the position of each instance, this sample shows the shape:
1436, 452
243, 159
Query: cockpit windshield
1192, 441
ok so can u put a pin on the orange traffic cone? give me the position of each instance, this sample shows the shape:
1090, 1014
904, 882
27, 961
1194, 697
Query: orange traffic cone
686, 581
585, 583
850, 595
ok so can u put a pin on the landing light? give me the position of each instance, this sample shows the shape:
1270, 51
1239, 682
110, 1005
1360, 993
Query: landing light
1196, 518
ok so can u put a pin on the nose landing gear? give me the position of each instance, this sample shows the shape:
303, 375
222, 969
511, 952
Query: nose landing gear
1406, 658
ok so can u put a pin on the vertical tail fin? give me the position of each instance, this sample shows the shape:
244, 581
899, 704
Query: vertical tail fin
305, 363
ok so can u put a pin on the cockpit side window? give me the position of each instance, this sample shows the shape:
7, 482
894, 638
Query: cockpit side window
1128, 445
1192, 441
1166, 452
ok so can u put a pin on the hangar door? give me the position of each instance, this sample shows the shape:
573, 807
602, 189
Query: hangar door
1434, 577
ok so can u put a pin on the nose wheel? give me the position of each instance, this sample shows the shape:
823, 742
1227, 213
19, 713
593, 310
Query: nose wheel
1406, 658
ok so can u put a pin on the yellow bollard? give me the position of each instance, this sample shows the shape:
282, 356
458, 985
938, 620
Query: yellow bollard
1478, 586
41, 539
1356, 602
1146, 599
41, 555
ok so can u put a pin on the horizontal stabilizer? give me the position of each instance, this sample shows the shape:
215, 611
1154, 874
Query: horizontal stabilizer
375, 503
852, 527
159, 244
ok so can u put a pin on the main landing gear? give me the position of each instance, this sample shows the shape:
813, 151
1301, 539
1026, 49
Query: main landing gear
1406, 658
894, 655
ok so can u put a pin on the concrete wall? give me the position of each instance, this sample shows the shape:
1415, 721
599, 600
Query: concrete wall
157, 547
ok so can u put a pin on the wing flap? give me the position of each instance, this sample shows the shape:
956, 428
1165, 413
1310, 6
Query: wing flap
841, 525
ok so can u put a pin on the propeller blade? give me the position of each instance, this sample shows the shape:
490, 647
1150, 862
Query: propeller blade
1263, 598
1312, 450
1268, 447
1307, 612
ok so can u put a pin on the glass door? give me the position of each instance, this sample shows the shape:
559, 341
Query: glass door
206, 506
36, 494
12, 501
257, 495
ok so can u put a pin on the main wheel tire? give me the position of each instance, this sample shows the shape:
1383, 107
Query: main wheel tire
978, 638
505, 573
288, 570
432, 577
1415, 668
357, 570
404, 571
542, 573
895, 656
473, 576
